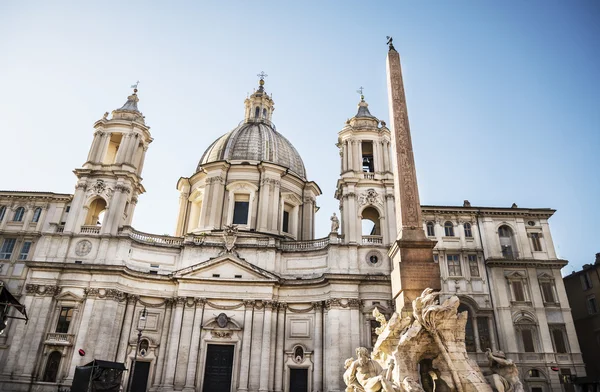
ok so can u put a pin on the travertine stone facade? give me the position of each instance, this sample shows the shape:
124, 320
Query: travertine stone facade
244, 279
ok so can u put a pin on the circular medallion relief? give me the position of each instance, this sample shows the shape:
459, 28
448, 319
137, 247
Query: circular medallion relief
374, 258
83, 247
222, 320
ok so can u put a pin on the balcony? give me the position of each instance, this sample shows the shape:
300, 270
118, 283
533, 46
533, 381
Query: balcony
90, 229
372, 240
369, 176
154, 239
294, 246
56, 338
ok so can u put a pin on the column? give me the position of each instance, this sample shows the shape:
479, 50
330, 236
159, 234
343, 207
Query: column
279, 347
185, 338
344, 156
103, 146
476, 333
31, 347
86, 316
131, 149
142, 159
28, 216
255, 348
265, 348
246, 340
354, 232
190, 379
19, 334
492, 334
350, 155
318, 348
122, 148
173, 345
354, 323
332, 345
92, 152
357, 156
273, 346
129, 312
162, 353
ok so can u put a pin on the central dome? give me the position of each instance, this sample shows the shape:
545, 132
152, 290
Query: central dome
255, 139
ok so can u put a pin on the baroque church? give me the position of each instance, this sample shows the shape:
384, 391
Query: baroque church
243, 297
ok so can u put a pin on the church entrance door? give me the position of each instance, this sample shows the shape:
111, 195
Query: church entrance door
298, 380
140, 376
217, 373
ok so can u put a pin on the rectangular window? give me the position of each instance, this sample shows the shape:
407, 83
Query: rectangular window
592, 305
286, 222
240, 212
559, 341
527, 336
473, 265
547, 292
64, 320
7, 248
535, 241
25, 250
518, 292
586, 282
453, 265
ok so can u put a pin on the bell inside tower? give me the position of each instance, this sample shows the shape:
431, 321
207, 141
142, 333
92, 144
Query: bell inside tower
367, 157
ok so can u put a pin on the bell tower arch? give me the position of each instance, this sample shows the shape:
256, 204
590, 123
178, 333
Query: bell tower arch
365, 188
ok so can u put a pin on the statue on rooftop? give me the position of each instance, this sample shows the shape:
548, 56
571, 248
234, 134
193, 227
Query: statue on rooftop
335, 223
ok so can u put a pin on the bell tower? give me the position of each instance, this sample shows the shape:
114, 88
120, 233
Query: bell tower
109, 183
366, 185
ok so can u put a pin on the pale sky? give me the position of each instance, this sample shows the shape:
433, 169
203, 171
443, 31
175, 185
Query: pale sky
503, 97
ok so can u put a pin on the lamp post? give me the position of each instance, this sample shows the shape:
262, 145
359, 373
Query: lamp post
141, 325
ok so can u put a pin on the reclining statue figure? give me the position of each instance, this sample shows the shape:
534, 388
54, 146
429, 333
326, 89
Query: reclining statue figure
366, 375
506, 374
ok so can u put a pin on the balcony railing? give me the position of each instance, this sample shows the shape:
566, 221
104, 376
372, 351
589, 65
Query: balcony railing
372, 240
154, 239
59, 338
90, 229
292, 246
369, 176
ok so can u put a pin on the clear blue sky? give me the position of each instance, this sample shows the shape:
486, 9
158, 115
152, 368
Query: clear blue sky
503, 97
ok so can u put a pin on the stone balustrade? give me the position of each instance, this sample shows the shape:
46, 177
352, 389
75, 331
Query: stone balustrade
372, 240
154, 239
293, 246
90, 229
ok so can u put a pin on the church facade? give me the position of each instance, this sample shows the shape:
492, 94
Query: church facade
243, 297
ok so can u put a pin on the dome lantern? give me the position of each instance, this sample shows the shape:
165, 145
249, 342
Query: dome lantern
259, 105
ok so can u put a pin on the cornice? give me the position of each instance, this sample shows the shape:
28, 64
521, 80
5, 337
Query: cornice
499, 262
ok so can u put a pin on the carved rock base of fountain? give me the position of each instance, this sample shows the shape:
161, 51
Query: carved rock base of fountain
426, 352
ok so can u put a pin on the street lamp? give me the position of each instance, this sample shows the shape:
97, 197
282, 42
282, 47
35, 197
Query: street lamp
140, 328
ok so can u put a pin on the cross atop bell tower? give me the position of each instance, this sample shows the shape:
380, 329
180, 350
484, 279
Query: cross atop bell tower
412, 253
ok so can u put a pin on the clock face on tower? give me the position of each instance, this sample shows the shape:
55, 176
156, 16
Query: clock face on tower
83, 247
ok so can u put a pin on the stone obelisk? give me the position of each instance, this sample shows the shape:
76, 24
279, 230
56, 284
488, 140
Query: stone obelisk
413, 268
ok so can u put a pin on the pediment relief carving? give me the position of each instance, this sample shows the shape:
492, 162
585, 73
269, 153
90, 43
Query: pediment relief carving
69, 296
292, 199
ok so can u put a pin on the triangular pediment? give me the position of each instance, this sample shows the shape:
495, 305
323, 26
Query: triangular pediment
69, 296
514, 275
226, 267
545, 276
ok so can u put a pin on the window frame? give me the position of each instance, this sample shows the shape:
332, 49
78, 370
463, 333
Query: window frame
430, 225
19, 214
53, 356
4, 254
67, 320
449, 229
25, 255
2, 212
473, 262
456, 264
468, 230
563, 335
521, 279
589, 300
37, 213
586, 281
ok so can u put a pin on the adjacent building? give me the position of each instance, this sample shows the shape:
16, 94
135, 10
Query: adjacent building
244, 297
583, 290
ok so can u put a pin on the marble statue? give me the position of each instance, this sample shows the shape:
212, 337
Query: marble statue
428, 341
505, 377
335, 223
366, 375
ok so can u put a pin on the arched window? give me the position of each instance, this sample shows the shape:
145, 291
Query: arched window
370, 222
469, 330
19, 213
2, 212
96, 212
527, 334
52, 366
265, 113
449, 229
257, 112
468, 231
36, 215
507, 242
430, 229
